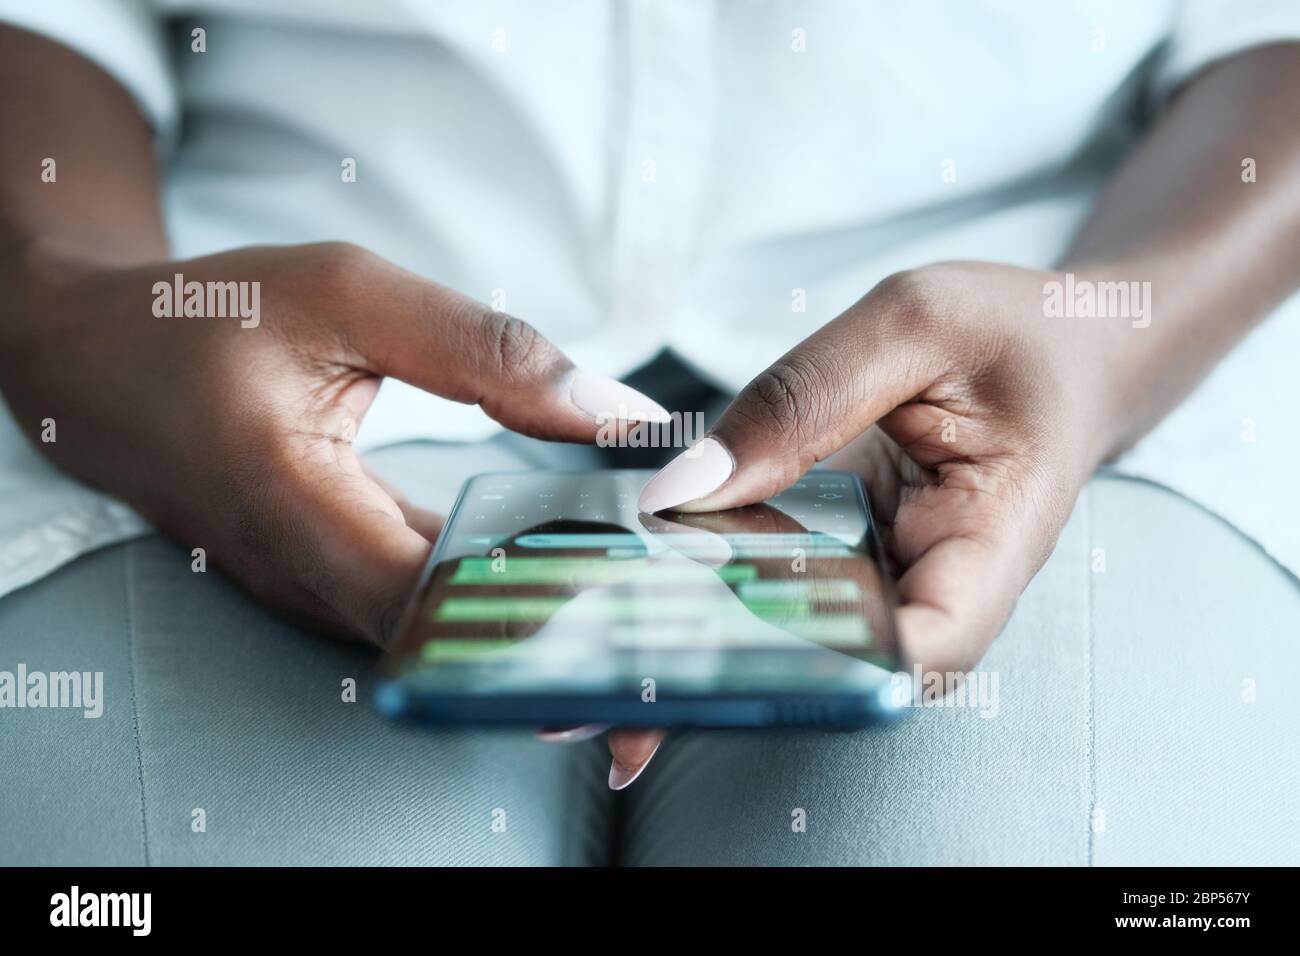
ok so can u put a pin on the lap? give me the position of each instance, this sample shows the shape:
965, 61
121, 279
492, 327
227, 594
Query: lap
214, 704
1144, 715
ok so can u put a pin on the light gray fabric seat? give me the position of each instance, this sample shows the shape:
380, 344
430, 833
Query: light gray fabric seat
1124, 732
1120, 691
213, 702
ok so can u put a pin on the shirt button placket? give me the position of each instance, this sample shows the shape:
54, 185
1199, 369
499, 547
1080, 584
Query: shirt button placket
669, 104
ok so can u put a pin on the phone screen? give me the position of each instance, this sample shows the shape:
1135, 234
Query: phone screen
550, 587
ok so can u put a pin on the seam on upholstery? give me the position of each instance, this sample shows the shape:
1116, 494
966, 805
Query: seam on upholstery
617, 826
129, 571
573, 846
1089, 675
594, 821
1107, 474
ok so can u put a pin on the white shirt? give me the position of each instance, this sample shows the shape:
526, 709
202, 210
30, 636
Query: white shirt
720, 178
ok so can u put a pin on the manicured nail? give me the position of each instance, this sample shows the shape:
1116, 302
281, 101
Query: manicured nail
572, 735
607, 400
694, 473
620, 778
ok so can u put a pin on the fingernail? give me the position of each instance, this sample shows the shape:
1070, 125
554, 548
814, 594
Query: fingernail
620, 778
605, 399
694, 473
572, 735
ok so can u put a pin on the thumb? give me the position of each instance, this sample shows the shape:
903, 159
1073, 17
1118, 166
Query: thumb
813, 401
445, 343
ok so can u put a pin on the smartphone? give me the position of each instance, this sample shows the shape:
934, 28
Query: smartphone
550, 601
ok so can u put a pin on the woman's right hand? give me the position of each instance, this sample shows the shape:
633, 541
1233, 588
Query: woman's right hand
236, 435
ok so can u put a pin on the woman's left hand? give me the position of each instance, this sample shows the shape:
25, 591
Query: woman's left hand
974, 417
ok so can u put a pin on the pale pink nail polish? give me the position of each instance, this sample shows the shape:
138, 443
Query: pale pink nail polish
692, 474
572, 735
607, 400
620, 778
